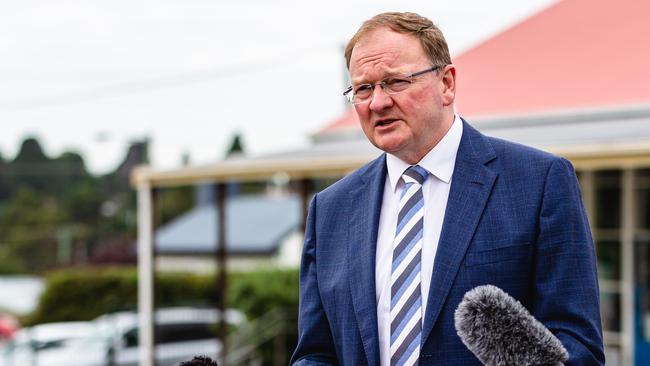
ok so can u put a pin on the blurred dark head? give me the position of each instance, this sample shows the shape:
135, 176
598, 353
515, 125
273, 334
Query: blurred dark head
199, 361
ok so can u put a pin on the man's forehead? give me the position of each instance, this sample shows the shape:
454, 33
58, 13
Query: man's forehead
382, 39
387, 58
384, 52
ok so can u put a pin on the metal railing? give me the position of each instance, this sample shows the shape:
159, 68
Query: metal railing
256, 339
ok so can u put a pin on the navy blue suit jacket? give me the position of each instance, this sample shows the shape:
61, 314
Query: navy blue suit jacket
514, 219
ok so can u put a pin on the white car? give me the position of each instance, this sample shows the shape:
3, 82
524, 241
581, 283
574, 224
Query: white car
54, 344
180, 334
112, 339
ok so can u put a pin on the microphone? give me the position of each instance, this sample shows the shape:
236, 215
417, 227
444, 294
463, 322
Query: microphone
199, 361
500, 331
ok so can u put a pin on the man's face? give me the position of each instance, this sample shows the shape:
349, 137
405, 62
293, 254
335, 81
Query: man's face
410, 123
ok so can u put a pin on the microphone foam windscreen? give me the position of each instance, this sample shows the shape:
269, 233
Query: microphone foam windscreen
500, 331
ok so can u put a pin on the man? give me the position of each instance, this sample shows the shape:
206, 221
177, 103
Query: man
391, 249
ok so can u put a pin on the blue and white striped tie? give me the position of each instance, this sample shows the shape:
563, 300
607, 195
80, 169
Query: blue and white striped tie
406, 298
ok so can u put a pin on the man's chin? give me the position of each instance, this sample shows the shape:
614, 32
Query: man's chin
391, 147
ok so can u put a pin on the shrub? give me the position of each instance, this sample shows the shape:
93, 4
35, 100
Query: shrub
84, 294
257, 292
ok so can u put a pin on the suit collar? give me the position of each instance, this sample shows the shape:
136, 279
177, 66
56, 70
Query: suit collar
439, 161
470, 189
365, 207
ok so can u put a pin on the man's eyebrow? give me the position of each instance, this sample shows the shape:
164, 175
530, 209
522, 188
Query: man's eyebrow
385, 74
359, 80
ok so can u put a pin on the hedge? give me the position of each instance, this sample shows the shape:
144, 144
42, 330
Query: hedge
84, 294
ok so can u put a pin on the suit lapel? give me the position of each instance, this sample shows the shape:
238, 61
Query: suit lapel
365, 206
470, 188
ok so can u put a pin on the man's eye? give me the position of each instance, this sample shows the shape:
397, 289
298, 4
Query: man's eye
397, 84
363, 89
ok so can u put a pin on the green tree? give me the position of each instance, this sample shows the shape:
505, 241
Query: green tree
173, 202
32, 168
236, 146
66, 173
29, 167
28, 231
5, 187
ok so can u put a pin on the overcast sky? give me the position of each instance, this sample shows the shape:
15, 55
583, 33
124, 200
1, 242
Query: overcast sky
90, 76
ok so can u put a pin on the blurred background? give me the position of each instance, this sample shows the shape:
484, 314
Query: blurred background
222, 119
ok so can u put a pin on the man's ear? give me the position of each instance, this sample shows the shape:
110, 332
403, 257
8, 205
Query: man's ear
448, 85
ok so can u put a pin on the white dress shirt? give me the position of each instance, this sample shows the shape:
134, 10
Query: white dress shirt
440, 163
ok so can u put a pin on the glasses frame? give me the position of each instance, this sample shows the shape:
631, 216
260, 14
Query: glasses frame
382, 85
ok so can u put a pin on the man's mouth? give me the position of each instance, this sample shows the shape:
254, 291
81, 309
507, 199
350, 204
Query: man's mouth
384, 122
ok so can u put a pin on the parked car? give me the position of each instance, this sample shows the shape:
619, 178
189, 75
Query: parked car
54, 344
112, 339
180, 333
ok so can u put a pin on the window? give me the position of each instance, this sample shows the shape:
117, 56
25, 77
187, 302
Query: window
176, 332
170, 333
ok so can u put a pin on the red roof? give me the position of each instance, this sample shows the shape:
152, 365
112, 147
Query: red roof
347, 121
575, 54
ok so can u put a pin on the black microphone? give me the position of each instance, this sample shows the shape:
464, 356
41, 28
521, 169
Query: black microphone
500, 331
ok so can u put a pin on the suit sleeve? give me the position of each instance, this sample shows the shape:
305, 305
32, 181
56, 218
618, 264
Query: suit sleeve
315, 345
566, 295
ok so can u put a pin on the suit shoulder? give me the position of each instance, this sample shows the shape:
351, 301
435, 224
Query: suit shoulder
513, 153
516, 162
352, 180
509, 154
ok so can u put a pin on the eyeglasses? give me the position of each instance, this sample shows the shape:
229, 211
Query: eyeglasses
391, 85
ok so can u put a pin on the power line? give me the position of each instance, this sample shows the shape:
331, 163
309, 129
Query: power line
131, 87
149, 85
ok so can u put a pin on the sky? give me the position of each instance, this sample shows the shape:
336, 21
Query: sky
92, 76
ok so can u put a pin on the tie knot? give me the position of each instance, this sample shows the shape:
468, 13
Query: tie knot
415, 174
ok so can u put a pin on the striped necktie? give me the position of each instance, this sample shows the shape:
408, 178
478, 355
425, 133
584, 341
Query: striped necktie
406, 296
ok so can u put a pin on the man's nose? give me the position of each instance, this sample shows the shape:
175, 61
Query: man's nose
380, 99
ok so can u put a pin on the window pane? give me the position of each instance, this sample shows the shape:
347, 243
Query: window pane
642, 288
608, 199
170, 333
610, 310
643, 199
609, 259
131, 338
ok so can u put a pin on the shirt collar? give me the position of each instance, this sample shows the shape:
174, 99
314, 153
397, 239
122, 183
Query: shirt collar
439, 161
